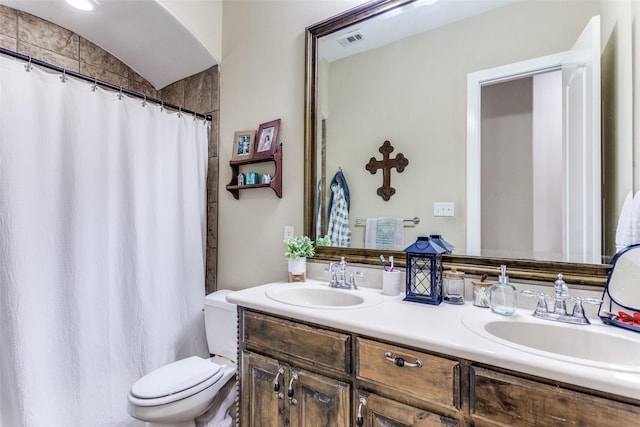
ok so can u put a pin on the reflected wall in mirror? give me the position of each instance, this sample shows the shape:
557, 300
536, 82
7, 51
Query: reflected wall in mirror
350, 111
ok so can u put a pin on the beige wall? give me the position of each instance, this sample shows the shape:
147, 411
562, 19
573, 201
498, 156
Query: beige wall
262, 78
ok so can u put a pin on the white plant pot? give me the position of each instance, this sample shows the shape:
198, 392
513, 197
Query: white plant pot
298, 266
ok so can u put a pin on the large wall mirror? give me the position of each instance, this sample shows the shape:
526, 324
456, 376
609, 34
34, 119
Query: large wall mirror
401, 70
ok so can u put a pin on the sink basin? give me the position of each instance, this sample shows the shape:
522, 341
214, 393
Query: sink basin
322, 296
594, 345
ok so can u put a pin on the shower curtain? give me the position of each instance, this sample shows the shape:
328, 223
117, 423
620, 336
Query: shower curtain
102, 247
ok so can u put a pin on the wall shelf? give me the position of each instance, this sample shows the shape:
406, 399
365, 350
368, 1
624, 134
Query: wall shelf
276, 180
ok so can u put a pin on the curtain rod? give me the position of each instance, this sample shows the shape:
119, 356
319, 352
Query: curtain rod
100, 82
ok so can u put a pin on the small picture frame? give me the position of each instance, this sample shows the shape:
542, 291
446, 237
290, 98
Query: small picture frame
243, 142
267, 142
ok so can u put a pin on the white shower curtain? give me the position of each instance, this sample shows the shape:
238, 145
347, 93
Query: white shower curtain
102, 247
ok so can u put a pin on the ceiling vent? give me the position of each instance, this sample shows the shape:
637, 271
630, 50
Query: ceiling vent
351, 37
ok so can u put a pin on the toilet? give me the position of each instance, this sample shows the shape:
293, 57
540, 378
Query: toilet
179, 393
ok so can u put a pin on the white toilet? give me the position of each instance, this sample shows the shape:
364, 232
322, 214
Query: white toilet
176, 394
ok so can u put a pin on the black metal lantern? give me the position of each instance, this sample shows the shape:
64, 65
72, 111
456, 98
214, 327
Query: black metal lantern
424, 271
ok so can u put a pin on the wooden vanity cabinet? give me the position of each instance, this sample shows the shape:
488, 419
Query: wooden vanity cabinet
314, 372
322, 374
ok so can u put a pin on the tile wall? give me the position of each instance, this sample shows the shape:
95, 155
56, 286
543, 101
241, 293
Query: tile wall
35, 37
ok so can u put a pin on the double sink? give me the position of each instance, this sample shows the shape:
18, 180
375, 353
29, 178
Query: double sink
595, 345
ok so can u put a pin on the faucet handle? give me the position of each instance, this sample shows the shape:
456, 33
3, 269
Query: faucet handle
351, 281
334, 277
542, 299
578, 309
591, 300
330, 268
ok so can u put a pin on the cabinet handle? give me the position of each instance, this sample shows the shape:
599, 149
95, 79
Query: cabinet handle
276, 381
359, 419
399, 361
294, 377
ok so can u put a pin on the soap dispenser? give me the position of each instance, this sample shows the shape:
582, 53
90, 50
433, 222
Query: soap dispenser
502, 295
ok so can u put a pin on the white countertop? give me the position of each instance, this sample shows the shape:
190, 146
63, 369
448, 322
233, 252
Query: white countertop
442, 329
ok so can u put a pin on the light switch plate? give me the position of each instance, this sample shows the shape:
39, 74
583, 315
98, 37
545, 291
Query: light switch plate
443, 209
288, 232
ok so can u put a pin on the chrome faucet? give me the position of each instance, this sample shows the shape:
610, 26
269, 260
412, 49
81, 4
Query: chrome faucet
340, 278
559, 312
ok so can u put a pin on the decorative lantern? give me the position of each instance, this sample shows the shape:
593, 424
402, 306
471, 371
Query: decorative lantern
438, 240
424, 271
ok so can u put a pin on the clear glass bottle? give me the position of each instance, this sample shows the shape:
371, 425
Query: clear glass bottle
502, 295
453, 286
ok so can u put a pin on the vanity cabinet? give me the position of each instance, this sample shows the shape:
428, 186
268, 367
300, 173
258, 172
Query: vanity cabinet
300, 374
499, 399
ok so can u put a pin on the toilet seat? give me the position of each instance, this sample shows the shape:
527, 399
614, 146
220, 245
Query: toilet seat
175, 381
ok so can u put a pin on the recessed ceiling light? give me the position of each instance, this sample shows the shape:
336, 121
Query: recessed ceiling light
81, 4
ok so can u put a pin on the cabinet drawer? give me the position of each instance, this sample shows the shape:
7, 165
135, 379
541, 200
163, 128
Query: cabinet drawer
314, 346
514, 401
437, 380
378, 411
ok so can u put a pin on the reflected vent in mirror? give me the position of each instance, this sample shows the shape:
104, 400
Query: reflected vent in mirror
351, 38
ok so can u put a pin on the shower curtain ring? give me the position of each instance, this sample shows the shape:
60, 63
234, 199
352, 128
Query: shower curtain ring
179, 111
144, 101
28, 67
120, 94
161, 106
95, 84
63, 77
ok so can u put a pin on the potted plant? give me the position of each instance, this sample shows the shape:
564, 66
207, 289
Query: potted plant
299, 248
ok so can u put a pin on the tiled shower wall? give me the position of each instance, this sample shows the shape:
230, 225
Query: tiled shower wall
35, 37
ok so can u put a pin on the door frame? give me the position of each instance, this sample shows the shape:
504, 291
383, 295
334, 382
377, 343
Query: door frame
475, 82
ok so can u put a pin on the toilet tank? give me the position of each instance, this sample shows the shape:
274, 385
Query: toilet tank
221, 325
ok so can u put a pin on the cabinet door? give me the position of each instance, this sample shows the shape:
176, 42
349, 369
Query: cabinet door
317, 401
261, 405
381, 412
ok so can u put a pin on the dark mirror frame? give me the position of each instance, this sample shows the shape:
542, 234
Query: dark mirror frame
592, 275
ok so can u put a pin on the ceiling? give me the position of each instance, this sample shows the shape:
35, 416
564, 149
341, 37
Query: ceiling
143, 34
414, 18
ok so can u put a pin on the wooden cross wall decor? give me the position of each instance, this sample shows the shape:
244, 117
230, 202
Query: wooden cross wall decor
386, 164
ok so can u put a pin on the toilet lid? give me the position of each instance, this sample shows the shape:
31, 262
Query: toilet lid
175, 378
